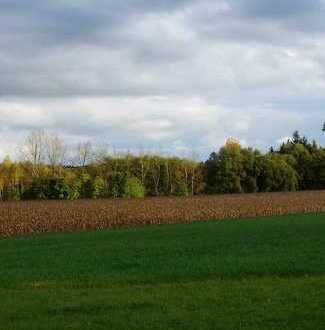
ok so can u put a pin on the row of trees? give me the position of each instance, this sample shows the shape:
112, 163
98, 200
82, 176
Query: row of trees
44, 173
49, 170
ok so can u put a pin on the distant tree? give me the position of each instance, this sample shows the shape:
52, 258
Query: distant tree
84, 153
34, 150
117, 184
193, 169
304, 153
133, 188
145, 164
11, 175
297, 139
98, 188
155, 170
55, 151
43, 172
249, 171
56, 188
276, 175
74, 183
223, 169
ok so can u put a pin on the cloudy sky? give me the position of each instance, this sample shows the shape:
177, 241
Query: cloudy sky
176, 75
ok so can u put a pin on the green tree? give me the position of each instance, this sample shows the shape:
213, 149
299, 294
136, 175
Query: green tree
133, 188
223, 169
98, 188
276, 175
117, 184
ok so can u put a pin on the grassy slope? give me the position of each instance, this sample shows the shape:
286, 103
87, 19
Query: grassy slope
248, 274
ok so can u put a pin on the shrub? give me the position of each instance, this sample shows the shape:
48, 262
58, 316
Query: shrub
75, 189
58, 189
181, 189
133, 188
98, 188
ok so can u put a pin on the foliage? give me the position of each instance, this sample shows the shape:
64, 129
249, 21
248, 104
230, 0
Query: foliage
57, 189
98, 188
297, 164
133, 188
118, 183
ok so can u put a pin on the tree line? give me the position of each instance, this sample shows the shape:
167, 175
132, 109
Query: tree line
44, 172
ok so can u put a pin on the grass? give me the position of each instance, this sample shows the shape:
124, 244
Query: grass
248, 274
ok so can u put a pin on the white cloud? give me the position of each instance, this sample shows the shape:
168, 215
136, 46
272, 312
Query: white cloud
178, 75
283, 140
179, 125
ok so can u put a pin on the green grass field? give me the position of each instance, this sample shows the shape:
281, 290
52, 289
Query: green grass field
248, 274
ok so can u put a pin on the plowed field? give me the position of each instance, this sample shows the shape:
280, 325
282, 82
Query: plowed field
20, 218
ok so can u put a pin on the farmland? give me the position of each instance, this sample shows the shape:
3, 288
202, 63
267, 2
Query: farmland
21, 218
256, 274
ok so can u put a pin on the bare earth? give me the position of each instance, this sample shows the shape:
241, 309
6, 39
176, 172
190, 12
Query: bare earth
20, 218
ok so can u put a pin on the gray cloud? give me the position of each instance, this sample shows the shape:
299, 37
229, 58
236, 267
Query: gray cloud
241, 65
277, 8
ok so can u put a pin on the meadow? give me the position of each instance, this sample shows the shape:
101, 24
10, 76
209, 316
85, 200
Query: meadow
262, 273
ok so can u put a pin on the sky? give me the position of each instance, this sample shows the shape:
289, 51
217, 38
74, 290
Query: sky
175, 76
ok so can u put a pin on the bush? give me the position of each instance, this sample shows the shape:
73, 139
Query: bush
98, 188
37, 190
181, 189
133, 188
11, 194
58, 189
75, 189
